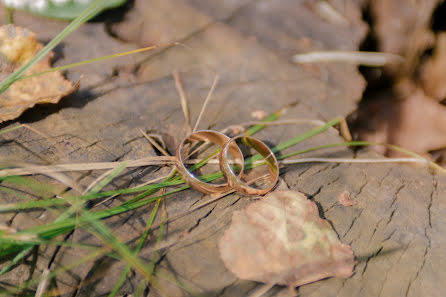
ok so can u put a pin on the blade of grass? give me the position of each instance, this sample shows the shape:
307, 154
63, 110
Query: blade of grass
10, 129
101, 231
80, 203
100, 59
206, 101
17, 258
33, 169
155, 254
109, 178
272, 117
183, 99
143, 238
89, 12
9, 15
57, 271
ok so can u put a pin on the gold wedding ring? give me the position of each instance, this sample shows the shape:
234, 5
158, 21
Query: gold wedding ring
206, 136
234, 181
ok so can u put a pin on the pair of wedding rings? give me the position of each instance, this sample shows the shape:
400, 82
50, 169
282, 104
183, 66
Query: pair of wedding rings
229, 147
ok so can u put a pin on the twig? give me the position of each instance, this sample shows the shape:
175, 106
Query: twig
183, 99
214, 84
355, 57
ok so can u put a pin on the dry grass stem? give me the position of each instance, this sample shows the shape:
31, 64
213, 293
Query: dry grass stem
44, 282
66, 180
346, 160
105, 200
96, 181
344, 130
208, 98
329, 13
154, 143
375, 59
46, 137
293, 121
284, 122
152, 181
183, 99
32, 169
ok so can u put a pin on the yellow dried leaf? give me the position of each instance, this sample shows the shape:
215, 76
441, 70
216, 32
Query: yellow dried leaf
17, 46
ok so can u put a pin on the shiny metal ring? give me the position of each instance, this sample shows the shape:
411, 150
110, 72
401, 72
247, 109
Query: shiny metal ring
216, 138
234, 181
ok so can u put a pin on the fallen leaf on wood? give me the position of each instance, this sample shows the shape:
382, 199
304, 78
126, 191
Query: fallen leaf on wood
415, 122
281, 239
345, 199
17, 46
403, 28
433, 72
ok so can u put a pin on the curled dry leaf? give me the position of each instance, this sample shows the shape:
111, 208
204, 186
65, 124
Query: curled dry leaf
433, 72
403, 28
345, 199
415, 122
281, 239
17, 46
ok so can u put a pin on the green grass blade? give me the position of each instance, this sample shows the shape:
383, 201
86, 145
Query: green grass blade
92, 10
10, 129
109, 178
100, 230
256, 128
100, 59
316, 148
143, 238
52, 274
16, 259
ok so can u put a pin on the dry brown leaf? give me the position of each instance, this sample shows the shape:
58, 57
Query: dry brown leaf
420, 124
433, 73
17, 46
345, 199
281, 239
416, 122
403, 28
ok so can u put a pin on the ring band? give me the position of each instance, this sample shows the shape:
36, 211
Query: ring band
234, 181
216, 138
